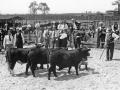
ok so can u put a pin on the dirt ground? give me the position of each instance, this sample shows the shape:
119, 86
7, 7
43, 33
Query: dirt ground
102, 75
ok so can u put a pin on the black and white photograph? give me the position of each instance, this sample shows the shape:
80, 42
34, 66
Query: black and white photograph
59, 44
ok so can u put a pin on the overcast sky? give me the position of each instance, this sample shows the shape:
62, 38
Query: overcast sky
57, 6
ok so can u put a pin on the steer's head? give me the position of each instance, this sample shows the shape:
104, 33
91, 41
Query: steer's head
10, 62
84, 53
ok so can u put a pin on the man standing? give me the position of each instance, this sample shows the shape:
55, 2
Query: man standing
99, 33
110, 40
8, 41
63, 39
19, 38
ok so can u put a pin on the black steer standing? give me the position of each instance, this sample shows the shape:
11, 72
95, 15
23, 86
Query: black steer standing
65, 58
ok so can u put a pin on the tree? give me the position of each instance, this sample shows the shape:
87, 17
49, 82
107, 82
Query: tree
118, 4
33, 7
43, 7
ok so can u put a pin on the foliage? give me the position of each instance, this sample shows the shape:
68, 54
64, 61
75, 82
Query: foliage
44, 8
34, 7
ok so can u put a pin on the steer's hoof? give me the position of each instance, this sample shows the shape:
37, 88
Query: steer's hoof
11, 73
77, 74
56, 76
48, 78
34, 76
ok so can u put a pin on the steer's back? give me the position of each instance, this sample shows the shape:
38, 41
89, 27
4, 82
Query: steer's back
65, 57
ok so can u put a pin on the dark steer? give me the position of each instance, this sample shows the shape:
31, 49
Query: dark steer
64, 58
15, 54
18, 54
39, 56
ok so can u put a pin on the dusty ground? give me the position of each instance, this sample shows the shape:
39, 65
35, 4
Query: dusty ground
102, 75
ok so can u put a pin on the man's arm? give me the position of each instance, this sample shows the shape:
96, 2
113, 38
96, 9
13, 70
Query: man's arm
14, 42
115, 36
106, 39
4, 41
23, 38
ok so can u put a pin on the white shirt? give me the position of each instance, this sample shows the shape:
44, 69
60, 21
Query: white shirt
7, 40
115, 36
74, 26
63, 35
47, 33
55, 34
62, 26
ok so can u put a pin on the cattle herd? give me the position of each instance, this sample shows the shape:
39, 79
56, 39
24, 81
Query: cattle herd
52, 57
58, 55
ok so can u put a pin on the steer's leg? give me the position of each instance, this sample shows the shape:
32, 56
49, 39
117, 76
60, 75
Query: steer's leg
54, 70
86, 66
27, 66
11, 67
49, 72
41, 66
33, 69
76, 68
69, 69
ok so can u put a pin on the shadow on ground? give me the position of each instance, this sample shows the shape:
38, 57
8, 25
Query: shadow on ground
62, 75
73, 75
118, 59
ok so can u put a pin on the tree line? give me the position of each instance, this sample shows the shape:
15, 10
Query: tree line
35, 7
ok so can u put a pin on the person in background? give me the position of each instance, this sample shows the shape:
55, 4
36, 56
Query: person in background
62, 25
13, 31
47, 36
0, 39
8, 41
18, 38
110, 40
63, 39
115, 28
74, 24
99, 30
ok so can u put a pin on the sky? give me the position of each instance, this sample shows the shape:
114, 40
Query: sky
57, 6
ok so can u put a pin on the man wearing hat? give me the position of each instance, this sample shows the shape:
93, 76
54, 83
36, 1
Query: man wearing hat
8, 41
110, 40
47, 36
18, 38
99, 31
74, 24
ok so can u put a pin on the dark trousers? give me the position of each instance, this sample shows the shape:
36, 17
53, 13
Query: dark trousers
110, 51
102, 40
19, 46
77, 42
63, 42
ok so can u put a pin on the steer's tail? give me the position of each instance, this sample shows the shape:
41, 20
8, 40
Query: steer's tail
48, 59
